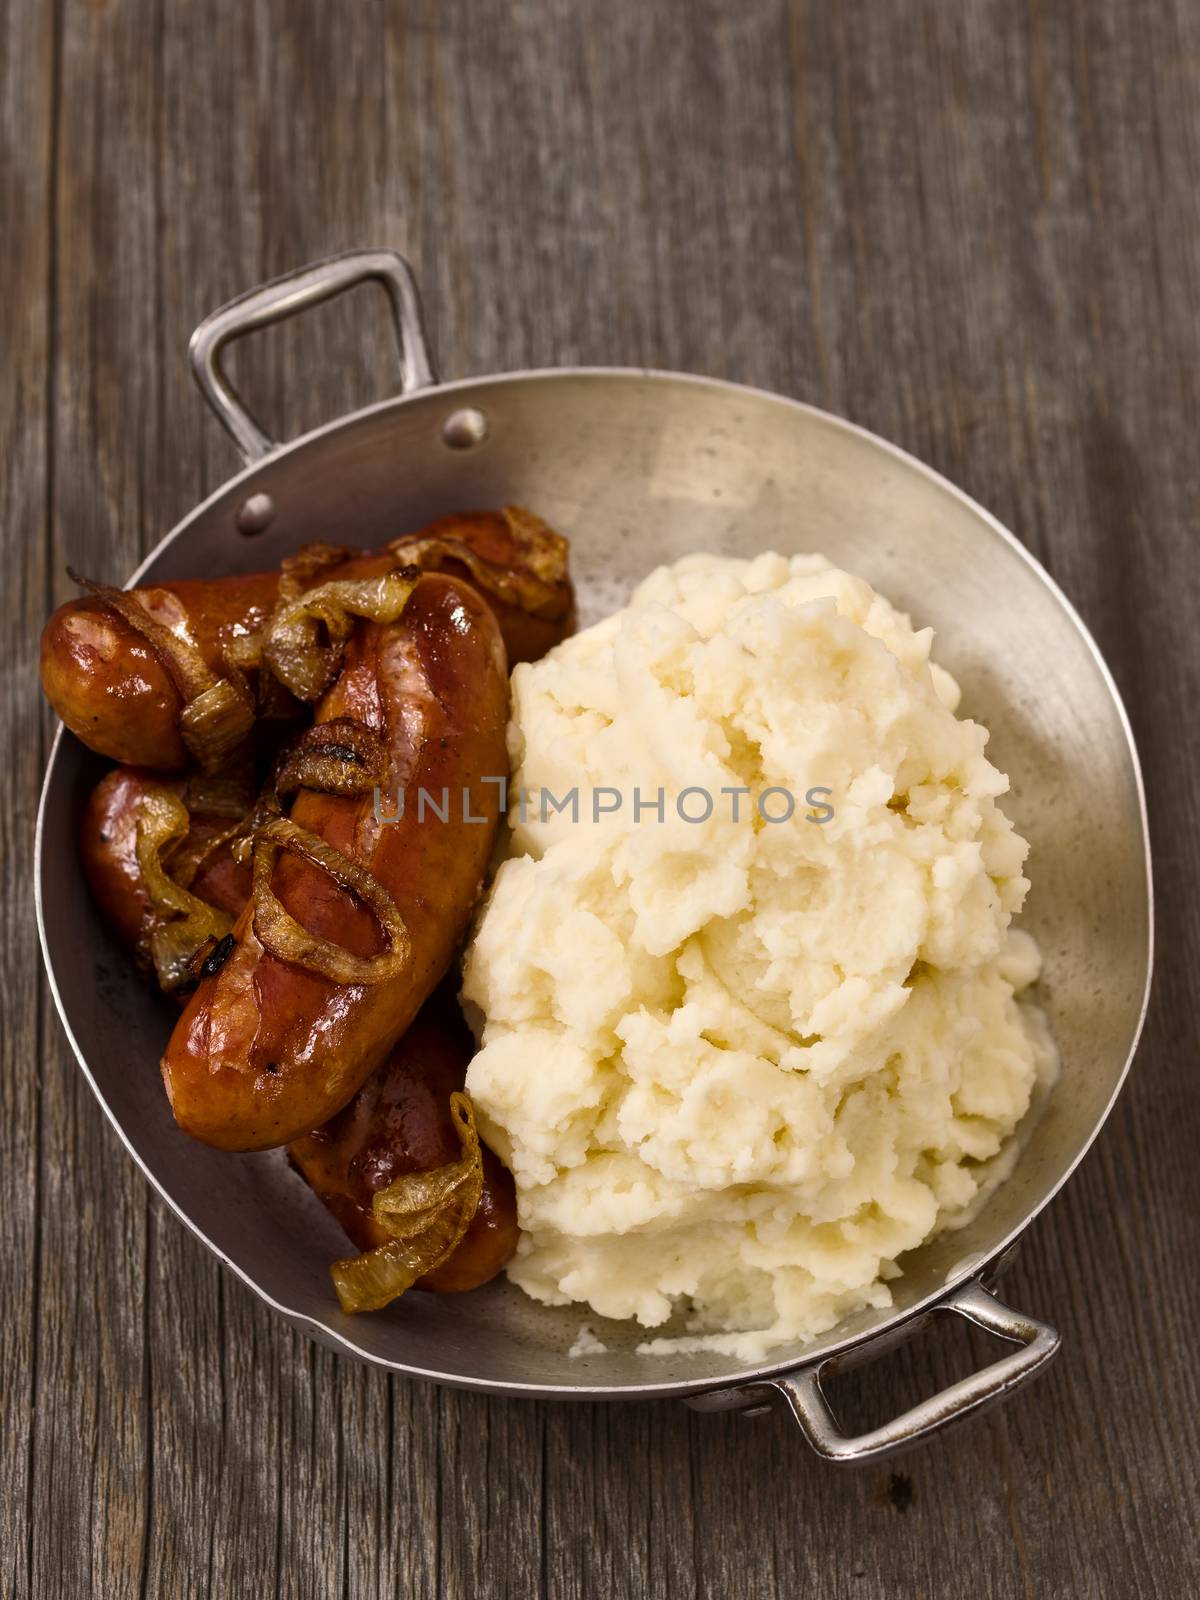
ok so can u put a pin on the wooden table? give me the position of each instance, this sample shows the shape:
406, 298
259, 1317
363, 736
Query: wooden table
972, 228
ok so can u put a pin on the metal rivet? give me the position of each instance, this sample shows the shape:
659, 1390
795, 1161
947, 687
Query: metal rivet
463, 430
255, 514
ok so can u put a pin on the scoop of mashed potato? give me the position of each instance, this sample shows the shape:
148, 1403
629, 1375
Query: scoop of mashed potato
737, 1059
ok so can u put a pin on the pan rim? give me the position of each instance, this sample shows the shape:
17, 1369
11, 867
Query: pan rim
324, 1332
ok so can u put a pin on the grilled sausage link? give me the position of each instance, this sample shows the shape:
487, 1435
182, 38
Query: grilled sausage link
113, 691
108, 850
491, 536
399, 1122
111, 688
268, 1049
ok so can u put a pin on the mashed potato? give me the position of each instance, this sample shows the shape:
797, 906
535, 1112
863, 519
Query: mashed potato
738, 1064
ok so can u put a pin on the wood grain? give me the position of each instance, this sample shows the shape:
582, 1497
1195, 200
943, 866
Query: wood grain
972, 228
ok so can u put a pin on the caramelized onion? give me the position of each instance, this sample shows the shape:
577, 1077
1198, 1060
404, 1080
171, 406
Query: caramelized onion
227, 797
272, 701
342, 756
300, 571
217, 722
183, 925
218, 713
534, 581
307, 632
266, 809
280, 933
426, 1213
244, 650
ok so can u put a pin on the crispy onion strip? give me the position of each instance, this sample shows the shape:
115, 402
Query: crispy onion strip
307, 632
535, 581
218, 713
245, 650
279, 932
426, 1213
342, 756
183, 924
217, 723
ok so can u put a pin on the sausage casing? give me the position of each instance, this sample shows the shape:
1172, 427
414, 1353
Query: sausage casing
108, 851
399, 1122
109, 685
111, 689
267, 1049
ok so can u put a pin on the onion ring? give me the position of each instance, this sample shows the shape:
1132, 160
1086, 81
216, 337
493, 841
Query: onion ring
342, 756
306, 633
183, 924
279, 932
427, 1214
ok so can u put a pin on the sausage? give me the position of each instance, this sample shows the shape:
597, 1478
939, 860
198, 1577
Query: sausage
268, 1049
527, 635
112, 690
399, 1122
110, 687
108, 850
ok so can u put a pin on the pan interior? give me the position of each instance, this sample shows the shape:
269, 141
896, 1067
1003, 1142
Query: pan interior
639, 469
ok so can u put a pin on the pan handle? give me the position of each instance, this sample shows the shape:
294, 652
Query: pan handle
284, 297
802, 1391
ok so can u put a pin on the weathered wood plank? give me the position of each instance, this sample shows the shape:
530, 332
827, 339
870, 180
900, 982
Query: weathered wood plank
973, 229
91, 1423
27, 121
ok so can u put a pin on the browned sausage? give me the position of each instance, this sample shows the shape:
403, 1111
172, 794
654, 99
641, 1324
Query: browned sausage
492, 537
114, 692
108, 849
399, 1122
111, 688
268, 1049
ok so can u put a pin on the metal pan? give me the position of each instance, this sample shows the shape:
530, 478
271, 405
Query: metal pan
638, 468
